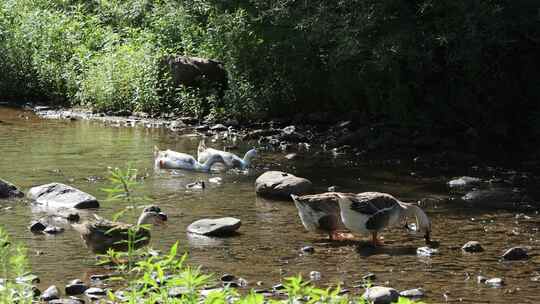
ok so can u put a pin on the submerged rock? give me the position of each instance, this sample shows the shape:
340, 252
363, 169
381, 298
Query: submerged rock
498, 198
515, 253
7, 190
380, 295
281, 184
413, 293
59, 195
472, 246
215, 227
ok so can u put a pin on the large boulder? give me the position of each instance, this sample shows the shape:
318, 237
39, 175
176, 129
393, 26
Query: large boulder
189, 71
7, 190
381, 295
281, 185
215, 227
62, 196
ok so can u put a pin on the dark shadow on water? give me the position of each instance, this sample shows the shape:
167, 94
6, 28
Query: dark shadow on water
365, 249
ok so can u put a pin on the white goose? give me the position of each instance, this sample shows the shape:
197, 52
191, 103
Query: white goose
371, 212
230, 159
169, 159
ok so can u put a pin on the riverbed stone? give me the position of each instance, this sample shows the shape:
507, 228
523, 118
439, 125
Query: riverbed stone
380, 295
67, 301
498, 198
95, 291
59, 195
495, 282
75, 287
413, 293
8, 190
464, 182
515, 253
50, 293
215, 227
37, 226
53, 230
472, 246
281, 185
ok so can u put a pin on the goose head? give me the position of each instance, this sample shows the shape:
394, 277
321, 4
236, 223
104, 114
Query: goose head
422, 221
152, 215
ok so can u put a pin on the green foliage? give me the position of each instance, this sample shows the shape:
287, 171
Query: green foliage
457, 65
13, 264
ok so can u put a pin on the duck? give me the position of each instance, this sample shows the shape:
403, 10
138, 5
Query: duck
372, 212
100, 234
169, 159
231, 160
320, 213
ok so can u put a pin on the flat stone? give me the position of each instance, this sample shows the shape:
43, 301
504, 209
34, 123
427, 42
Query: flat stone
464, 182
381, 295
59, 195
515, 253
95, 291
495, 282
215, 227
413, 293
282, 185
472, 246
50, 293
8, 190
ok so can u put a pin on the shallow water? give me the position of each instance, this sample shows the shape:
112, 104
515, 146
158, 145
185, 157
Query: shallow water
36, 151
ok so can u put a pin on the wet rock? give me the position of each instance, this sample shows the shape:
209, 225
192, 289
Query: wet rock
28, 279
75, 287
59, 195
472, 246
380, 295
308, 249
495, 282
215, 180
464, 182
291, 156
53, 230
100, 277
215, 227
515, 253
7, 190
199, 185
256, 134
481, 279
290, 134
413, 293
426, 251
201, 128
315, 276
50, 293
37, 226
278, 287
218, 127
67, 301
227, 278
498, 198
95, 291
281, 184
369, 277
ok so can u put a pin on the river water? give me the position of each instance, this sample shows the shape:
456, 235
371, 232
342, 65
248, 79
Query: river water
35, 151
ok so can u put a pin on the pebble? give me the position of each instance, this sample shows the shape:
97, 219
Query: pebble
495, 282
53, 230
75, 287
426, 251
413, 293
472, 246
315, 275
369, 277
227, 278
95, 291
380, 295
37, 226
215, 180
307, 249
515, 253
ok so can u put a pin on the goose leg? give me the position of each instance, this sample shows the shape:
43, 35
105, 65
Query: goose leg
375, 241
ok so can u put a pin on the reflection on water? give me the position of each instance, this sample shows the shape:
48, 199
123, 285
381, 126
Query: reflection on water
267, 249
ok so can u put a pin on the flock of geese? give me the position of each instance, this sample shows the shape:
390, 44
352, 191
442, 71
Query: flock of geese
364, 213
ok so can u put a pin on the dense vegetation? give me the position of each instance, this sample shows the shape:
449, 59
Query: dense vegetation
455, 65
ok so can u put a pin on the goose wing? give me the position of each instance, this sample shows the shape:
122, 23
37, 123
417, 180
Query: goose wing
377, 206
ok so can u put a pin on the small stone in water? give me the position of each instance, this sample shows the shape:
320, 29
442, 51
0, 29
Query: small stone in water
495, 282
37, 226
308, 249
481, 279
53, 230
515, 253
50, 293
315, 275
227, 278
472, 246
369, 277
215, 180
426, 251
412, 293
